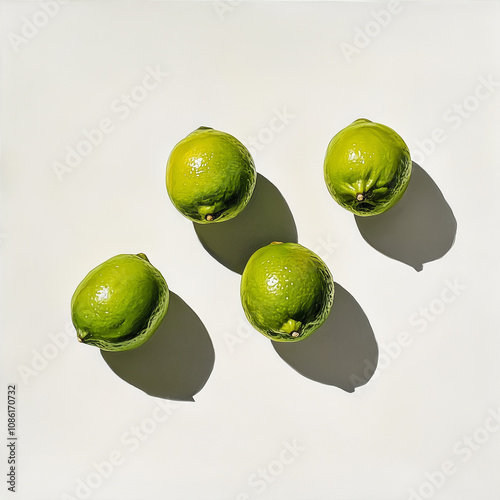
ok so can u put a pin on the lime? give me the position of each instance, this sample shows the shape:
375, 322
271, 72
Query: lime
210, 176
120, 303
286, 291
367, 167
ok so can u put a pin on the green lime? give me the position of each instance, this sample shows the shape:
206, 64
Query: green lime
286, 291
120, 303
210, 176
367, 167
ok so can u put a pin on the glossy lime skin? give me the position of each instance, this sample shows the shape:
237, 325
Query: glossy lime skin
286, 291
367, 167
120, 303
210, 176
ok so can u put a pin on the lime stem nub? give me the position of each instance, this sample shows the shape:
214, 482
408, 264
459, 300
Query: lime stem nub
80, 335
209, 217
360, 196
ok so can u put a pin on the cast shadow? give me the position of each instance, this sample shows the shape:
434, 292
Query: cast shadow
420, 228
265, 219
343, 352
175, 363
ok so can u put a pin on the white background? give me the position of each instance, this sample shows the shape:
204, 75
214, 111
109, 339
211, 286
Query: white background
234, 66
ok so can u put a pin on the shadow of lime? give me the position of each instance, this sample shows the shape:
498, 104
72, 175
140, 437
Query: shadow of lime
420, 228
343, 352
265, 219
175, 363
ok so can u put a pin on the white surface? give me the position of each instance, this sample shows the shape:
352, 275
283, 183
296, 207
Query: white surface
231, 69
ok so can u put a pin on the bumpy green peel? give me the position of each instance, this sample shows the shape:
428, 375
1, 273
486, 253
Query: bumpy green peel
286, 291
120, 303
210, 176
367, 167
